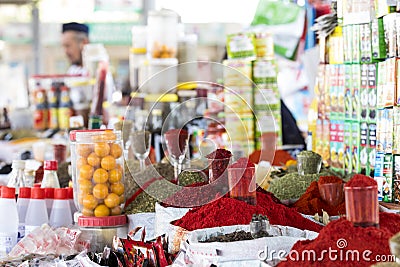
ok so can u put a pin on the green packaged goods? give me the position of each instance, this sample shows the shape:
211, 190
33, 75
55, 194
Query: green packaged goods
378, 39
241, 45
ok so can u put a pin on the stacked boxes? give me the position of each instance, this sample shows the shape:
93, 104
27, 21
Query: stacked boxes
251, 95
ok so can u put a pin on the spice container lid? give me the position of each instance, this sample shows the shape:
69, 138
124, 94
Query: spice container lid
24, 192
60, 193
70, 192
37, 193
118, 220
72, 134
50, 165
49, 193
7, 192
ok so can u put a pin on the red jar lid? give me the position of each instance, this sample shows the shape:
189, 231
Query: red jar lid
37, 193
70, 192
60, 193
7, 192
108, 221
24, 192
72, 134
50, 165
49, 193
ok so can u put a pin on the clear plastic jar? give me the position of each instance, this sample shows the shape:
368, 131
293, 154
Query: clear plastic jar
98, 172
162, 33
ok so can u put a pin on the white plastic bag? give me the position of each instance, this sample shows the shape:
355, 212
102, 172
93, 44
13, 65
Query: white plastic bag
164, 217
144, 220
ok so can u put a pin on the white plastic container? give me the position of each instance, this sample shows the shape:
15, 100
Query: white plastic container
162, 33
22, 207
8, 220
72, 202
36, 215
17, 176
49, 199
50, 178
61, 210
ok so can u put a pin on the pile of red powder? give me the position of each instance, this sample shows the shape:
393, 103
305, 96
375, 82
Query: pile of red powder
311, 202
227, 211
349, 245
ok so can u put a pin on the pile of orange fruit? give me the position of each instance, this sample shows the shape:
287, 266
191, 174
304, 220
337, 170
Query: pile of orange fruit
100, 174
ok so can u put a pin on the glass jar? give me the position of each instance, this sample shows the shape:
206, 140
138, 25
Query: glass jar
98, 172
162, 33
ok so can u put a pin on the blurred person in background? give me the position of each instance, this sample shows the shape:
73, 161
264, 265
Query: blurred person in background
74, 37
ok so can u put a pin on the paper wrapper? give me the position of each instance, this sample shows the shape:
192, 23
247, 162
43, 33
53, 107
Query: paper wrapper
267, 248
145, 221
164, 217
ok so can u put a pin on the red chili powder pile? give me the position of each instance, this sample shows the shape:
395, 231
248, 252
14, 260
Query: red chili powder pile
359, 180
347, 244
227, 211
311, 202
219, 154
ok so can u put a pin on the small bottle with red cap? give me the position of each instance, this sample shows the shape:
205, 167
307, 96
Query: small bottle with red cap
71, 201
22, 206
17, 176
36, 214
50, 178
61, 210
49, 198
8, 220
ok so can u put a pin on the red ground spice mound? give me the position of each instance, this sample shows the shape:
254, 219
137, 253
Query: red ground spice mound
311, 202
344, 239
226, 211
329, 180
359, 180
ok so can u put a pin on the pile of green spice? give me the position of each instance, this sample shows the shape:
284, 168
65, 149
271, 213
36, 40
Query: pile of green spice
292, 185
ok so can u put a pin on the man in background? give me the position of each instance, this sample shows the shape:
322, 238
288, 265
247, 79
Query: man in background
74, 37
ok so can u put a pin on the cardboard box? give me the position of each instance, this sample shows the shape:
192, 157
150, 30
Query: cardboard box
356, 83
356, 146
347, 44
378, 39
372, 141
239, 99
364, 92
341, 91
365, 43
348, 107
378, 174
319, 136
389, 24
389, 91
387, 185
241, 45
396, 130
363, 141
380, 131
266, 98
347, 147
238, 73
372, 93
356, 55
381, 83
396, 178
265, 72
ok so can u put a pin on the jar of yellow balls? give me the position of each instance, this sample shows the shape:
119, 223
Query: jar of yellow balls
98, 172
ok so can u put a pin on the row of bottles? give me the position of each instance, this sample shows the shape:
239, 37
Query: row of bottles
19, 218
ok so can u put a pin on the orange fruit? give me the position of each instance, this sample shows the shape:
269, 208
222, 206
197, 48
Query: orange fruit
101, 211
89, 202
112, 200
80, 162
101, 149
87, 212
116, 211
93, 160
108, 163
100, 191
84, 149
118, 188
115, 175
85, 186
86, 172
115, 150
100, 176
122, 199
